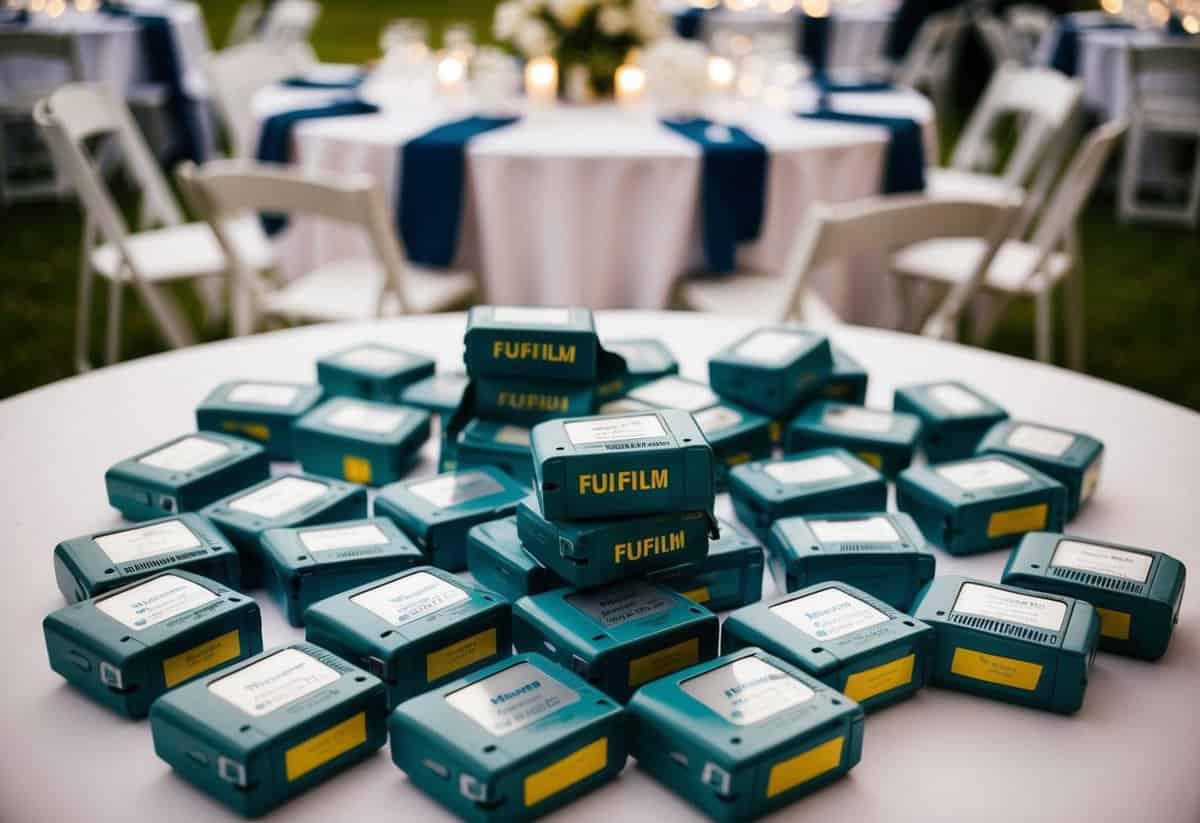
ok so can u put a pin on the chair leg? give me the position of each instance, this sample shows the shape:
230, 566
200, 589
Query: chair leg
1193, 212
1130, 163
3, 163
1043, 344
83, 313
1076, 316
211, 291
171, 322
116, 306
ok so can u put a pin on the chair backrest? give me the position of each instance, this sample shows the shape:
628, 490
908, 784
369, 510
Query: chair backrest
245, 20
1029, 24
1074, 187
78, 113
997, 39
234, 75
1043, 101
933, 49
289, 21
25, 83
1162, 75
230, 189
839, 232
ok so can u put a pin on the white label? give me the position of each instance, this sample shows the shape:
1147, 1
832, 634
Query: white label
279, 497
1011, 607
364, 418
532, 317
411, 597
273, 682
512, 699
955, 399
613, 429
747, 690
676, 393
716, 419
150, 603
1090, 557
148, 541
983, 474
263, 394
349, 537
859, 420
1040, 441
864, 530
375, 359
773, 347
829, 614
449, 490
808, 470
621, 603
640, 356
186, 454
622, 406
512, 435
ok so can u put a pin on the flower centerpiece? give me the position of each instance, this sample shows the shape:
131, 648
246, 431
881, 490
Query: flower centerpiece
589, 39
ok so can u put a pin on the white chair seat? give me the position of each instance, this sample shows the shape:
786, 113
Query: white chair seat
188, 250
752, 294
349, 289
953, 184
950, 259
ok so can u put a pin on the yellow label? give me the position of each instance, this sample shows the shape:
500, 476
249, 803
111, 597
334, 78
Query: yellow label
356, 469
628, 480
1015, 521
528, 350
463, 653
320, 749
866, 684
256, 430
671, 659
532, 401
738, 459
580, 764
647, 547
207, 655
775, 431
872, 459
1090, 478
992, 668
700, 595
835, 390
1114, 624
795, 771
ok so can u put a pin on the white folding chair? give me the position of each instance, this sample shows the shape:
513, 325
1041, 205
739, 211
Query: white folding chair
1164, 84
41, 53
997, 39
288, 21
1043, 102
1028, 25
148, 258
235, 74
352, 289
1026, 266
832, 233
245, 20
932, 59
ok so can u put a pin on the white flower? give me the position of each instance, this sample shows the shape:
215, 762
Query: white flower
534, 38
613, 20
509, 16
570, 12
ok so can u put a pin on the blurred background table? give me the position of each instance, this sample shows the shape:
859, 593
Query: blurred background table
615, 195
942, 757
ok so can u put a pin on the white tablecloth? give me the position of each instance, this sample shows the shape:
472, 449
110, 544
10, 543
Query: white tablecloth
1129, 755
599, 205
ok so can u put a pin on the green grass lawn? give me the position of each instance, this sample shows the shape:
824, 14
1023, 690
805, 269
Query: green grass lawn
1143, 283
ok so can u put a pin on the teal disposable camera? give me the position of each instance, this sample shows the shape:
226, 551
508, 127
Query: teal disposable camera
771, 369
503, 445
1010, 644
526, 402
184, 475
440, 394
645, 360
125, 648
954, 417
736, 435
310, 563
872, 653
360, 441
744, 735
437, 512
885, 441
674, 392
372, 371
532, 343
980, 504
1136, 592
498, 560
91, 565
619, 636
260, 411
1071, 458
729, 577
513, 741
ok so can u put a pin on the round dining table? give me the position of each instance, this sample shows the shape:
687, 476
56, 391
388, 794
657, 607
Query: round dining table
600, 205
942, 756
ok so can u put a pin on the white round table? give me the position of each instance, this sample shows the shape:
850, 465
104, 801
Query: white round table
1129, 754
1104, 70
599, 205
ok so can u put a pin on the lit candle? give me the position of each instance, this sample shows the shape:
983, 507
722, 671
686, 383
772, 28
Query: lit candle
720, 74
451, 74
541, 80
630, 83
